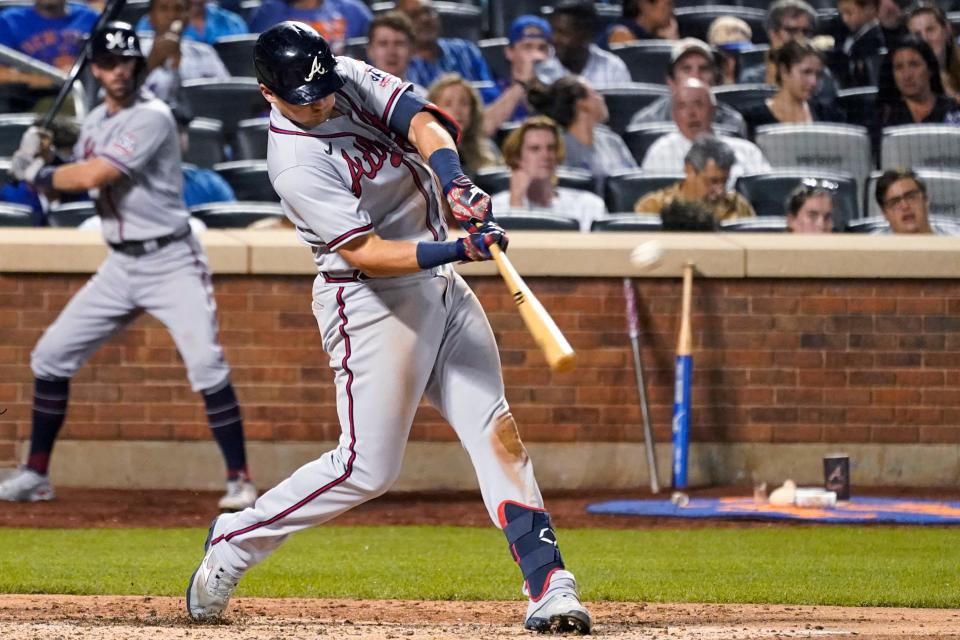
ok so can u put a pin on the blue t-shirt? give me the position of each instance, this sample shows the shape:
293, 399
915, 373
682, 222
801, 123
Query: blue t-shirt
201, 186
218, 22
327, 20
456, 56
358, 16
56, 41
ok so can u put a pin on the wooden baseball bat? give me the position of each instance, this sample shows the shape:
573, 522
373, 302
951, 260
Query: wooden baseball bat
110, 12
558, 352
683, 376
633, 330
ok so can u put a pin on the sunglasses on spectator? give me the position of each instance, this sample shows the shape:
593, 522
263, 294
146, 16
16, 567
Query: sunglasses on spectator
910, 196
798, 31
819, 184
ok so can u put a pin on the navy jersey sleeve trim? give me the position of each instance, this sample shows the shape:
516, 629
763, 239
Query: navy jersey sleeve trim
349, 235
410, 104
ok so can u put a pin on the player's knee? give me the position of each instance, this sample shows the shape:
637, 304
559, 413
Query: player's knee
506, 440
48, 360
207, 371
377, 478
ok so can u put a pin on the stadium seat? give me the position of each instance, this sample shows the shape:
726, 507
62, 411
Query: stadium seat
647, 59
695, 21
496, 179
237, 53
763, 224
247, 7
235, 215
859, 104
522, 220
753, 56
743, 97
501, 13
9, 4
927, 146
953, 18
458, 20
624, 188
206, 142
628, 222
943, 192
70, 214
821, 146
624, 100
252, 139
356, 48
768, 192
12, 126
15, 215
228, 101
248, 179
492, 50
133, 10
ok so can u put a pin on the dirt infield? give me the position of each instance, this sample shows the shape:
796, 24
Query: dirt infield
54, 617
140, 618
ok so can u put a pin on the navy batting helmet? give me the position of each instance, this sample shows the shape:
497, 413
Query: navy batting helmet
116, 39
295, 62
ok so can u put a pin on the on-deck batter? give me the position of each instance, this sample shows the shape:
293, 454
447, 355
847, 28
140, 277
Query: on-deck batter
128, 157
346, 153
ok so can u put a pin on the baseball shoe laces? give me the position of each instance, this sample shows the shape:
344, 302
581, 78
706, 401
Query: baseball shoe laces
559, 609
26, 485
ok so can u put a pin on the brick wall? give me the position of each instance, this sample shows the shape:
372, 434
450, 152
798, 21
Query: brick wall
776, 361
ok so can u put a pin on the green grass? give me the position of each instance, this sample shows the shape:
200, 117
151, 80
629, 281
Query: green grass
825, 565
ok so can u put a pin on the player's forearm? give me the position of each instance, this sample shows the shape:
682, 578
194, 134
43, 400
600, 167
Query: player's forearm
377, 257
84, 175
428, 135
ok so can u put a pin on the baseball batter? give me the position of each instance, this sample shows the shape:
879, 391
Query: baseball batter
128, 157
354, 153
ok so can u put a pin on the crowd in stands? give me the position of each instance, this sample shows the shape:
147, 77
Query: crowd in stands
559, 106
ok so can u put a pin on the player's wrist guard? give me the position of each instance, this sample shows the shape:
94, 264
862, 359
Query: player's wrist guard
469, 203
434, 254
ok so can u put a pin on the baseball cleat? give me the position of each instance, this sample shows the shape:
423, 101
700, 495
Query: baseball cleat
210, 586
26, 485
240, 494
559, 610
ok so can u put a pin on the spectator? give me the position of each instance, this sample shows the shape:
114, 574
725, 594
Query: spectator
323, 15
855, 52
390, 45
693, 112
434, 55
902, 197
790, 20
910, 89
533, 151
798, 70
172, 58
810, 207
51, 31
581, 112
200, 185
575, 25
930, 23
728, 36
454, 95
642, 20
358, 16
687, 215
206, 22
530, 40
893, 18
690, 58
706, 168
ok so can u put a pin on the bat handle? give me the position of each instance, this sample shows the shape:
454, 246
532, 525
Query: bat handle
630, 298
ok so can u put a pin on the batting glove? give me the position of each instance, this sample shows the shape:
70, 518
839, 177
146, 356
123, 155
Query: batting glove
33, 141
476, 246
26, 167
470, 205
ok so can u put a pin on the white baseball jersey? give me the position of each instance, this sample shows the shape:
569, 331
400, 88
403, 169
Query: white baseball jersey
351, 175
142, 142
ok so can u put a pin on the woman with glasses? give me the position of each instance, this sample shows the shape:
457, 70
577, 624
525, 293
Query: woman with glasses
799, 66
911, 90
930, 23
810, 207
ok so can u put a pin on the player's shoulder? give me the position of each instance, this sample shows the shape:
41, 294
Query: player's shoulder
152, 107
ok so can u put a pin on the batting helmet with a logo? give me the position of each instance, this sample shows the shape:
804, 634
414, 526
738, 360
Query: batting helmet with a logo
115, 39
295, 63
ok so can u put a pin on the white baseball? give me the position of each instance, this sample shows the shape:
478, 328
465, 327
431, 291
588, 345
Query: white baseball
647, 255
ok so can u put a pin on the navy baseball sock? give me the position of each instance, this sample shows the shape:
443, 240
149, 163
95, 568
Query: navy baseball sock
226, 424
49, 411
533, 544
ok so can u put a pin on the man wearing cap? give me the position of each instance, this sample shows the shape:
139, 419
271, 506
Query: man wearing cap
530, 43
691, 58
575, 24
729, 35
